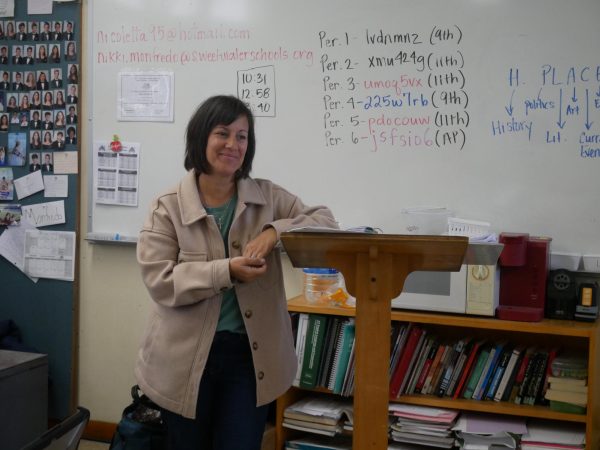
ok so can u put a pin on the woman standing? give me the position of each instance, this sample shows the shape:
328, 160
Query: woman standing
219, 345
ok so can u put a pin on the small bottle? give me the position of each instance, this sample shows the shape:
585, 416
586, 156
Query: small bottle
320, 283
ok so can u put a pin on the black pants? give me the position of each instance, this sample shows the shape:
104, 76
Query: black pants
226, 415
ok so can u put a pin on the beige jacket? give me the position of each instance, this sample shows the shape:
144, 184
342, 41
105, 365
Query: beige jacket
183, 263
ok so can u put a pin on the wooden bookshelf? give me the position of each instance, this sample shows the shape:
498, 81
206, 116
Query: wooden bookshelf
569, 334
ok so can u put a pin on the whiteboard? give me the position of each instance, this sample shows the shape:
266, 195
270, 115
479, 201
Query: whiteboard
490, 109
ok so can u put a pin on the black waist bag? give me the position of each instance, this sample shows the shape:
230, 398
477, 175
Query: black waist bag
141, 426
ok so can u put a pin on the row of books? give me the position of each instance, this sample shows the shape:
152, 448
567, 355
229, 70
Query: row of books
423, 363
325, 350
471, 368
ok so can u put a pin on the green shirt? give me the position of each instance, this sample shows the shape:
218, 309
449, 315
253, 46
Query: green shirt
230, 317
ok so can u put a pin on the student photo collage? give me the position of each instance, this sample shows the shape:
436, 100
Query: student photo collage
39, 91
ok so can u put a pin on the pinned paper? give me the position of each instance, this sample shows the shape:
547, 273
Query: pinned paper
50, 254
29, 184
7, 8
65, 162
12, 246
44, 214
56, 186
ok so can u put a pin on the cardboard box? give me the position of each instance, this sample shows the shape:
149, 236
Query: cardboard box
483, 288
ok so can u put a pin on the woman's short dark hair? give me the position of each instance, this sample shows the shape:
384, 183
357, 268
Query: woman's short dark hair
217, 110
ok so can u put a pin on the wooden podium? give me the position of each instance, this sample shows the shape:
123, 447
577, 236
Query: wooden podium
375, 267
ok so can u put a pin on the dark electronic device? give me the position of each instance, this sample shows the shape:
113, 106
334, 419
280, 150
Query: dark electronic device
572, 295
561, 294
587, 302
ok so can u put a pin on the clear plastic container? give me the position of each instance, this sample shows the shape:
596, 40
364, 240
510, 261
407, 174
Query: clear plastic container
320, 284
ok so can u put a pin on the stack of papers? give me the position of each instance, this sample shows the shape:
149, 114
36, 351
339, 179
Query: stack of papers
320, 443
477, 423
482, 431
543, 435
496, 441
321, 415
422, 425
336, 443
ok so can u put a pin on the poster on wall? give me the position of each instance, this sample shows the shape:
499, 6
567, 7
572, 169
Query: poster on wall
145, 96
116, 172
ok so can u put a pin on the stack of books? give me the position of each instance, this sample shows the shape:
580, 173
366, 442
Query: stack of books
567, 385
320, 415
422, 425
567, 394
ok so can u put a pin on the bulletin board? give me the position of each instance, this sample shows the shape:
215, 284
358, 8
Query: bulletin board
489, 109
45, 312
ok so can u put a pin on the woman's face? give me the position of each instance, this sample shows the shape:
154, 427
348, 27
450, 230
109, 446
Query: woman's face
36, 96
12, 101
4, 120
60, 116
48, 97
59, 95
36, 137
226, 147
47, 137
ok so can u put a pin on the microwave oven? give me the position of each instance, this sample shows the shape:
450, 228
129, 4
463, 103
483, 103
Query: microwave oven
434, 291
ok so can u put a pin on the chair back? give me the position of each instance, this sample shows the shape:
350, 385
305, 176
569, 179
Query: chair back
63, 436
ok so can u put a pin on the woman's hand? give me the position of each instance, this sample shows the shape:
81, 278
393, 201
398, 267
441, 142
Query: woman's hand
252, 263
261, 245
246, 269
